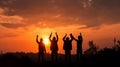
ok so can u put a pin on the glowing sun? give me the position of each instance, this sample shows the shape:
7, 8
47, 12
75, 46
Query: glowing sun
46, 41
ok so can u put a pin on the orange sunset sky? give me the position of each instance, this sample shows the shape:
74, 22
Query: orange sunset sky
22, 20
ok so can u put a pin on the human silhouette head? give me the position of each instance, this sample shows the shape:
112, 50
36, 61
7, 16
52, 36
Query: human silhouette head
79, 37
54, 38
80, 34
41, 39
67, 38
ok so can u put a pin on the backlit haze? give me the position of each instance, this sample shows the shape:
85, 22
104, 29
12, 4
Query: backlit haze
22, 20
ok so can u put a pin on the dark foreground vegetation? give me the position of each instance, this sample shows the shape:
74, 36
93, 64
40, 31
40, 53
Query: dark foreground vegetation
107, 56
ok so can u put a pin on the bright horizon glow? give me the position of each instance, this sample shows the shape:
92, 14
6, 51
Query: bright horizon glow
28, 38
46, 41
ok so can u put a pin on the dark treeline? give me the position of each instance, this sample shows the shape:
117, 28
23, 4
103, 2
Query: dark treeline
106, 56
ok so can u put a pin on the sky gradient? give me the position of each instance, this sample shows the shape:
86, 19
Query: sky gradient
22, 20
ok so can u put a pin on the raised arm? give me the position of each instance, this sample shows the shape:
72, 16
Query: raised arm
50, 36
56, 36
64, 37
37, 39
72, 37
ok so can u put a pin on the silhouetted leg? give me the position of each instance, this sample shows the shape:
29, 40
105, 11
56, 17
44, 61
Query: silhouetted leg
42, 57
81, 56
56, 56
52, 56
77, 56
38, 58
66, 56
69, 56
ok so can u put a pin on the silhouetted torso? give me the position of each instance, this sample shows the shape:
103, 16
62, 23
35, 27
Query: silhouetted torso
79, 44
54, 45
41, 47
67, 45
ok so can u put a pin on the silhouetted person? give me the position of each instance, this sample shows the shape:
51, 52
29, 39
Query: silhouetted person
79, 42
67, 46
41, 47
54, 47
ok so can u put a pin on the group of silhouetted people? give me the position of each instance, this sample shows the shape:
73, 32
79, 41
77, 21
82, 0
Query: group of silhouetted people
67, 46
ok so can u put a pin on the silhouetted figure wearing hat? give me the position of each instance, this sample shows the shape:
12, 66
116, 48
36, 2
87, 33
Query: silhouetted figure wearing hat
42, 50
54, 47
67, 46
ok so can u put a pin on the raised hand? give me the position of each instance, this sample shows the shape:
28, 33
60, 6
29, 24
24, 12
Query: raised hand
65, 34
80, 34
56, 33
37, 35
50, 36
64, 37
51, 33
70, 34
37, 39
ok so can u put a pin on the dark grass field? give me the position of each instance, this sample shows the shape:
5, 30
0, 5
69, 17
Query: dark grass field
20, 59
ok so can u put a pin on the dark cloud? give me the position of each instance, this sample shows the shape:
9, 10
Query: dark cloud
91, 13
11, 25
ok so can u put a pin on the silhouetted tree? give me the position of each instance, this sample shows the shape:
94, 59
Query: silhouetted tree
92, 50
116, 45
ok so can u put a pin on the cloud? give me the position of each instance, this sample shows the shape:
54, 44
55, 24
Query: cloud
54, 13
7, 35
10, 25
8, 32
10, 21
1, 11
